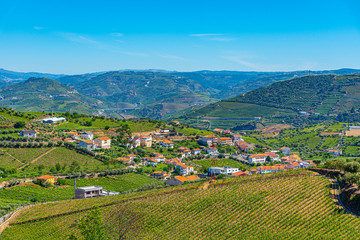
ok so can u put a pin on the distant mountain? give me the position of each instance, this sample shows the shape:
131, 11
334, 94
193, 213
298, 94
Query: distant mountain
44, 94
282, 101
227, 84
152, 94
11, 76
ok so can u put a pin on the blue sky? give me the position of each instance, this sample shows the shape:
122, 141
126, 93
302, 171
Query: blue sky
88, 36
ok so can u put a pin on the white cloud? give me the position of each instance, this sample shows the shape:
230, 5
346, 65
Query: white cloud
39, 28
255, 66
221, 39
206, 34
169, 56
77, 38
136, 54
117, 34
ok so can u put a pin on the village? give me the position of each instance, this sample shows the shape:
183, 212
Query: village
179, 155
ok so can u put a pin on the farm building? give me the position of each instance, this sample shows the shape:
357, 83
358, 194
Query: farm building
28, 133
53, 120
92, 191
47, 179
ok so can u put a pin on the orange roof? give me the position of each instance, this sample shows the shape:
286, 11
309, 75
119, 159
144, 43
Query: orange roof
218, 130
253, 170
45, 177
181, 178
237, 173
197, 149
258, 155
214, 148
71, 132
283, 148
131, 155
225, 138
103, 138
183, 165
89, 142
157, 153
192, 177
237, 136
210, 136
295, 164
167, 141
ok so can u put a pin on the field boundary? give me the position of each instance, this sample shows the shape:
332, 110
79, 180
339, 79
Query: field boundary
37, 158
214, 185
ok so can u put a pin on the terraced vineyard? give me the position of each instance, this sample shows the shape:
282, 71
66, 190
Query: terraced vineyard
288, 205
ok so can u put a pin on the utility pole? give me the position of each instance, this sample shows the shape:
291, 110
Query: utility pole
74, 188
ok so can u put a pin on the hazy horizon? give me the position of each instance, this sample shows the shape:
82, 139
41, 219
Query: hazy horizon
80, 37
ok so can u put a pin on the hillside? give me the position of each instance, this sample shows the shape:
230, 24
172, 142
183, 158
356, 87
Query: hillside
12, 76
44, 94
138, 90
273, 206
282, 101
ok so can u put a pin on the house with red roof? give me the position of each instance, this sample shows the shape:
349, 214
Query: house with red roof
209, 140
184, 169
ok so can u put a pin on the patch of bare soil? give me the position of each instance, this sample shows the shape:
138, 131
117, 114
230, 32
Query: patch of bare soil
275, 128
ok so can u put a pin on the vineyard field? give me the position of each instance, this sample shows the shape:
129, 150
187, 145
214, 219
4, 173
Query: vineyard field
288, 205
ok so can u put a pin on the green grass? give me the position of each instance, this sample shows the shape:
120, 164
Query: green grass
8, 162
121, 183
330, 142
63, 156
252, 140
26, 154
352, 150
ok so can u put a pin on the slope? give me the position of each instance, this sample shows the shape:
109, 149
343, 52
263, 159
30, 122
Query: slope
321, 94
160, 92
44, 94
285, 205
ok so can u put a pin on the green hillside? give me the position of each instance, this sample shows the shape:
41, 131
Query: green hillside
282, 101
272, 206
44, 94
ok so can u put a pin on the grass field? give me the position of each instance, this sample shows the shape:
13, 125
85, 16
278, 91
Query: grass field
221, 163
253, 207
63, 155
29, 192
25, 154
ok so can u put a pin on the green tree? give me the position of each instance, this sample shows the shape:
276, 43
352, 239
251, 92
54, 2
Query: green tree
19, 124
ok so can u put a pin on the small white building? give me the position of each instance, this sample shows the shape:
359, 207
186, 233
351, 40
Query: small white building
222, 170
167, 143
53, 120
28, 133
87, 135
286, 151
196, 151
184, 169
258, 158
212, 151
90, 145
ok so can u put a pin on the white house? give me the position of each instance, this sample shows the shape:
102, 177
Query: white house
166, 143
258, 158
53, 120
184, 169
196, 151
209, 140
237, 137
90, 145
87, 135
222, 170
286, 151
28, 133
212, 151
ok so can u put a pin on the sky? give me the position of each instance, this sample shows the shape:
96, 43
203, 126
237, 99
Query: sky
73, 37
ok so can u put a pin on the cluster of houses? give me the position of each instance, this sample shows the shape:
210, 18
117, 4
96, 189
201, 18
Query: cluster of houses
86, 140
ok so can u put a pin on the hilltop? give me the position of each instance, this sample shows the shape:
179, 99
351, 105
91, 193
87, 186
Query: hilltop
318, 96
44, 94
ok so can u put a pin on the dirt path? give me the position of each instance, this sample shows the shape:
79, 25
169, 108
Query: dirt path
335, 196
11, 218
37, 158
12, 156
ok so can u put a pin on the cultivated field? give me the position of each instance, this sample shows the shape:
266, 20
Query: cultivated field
289, 205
